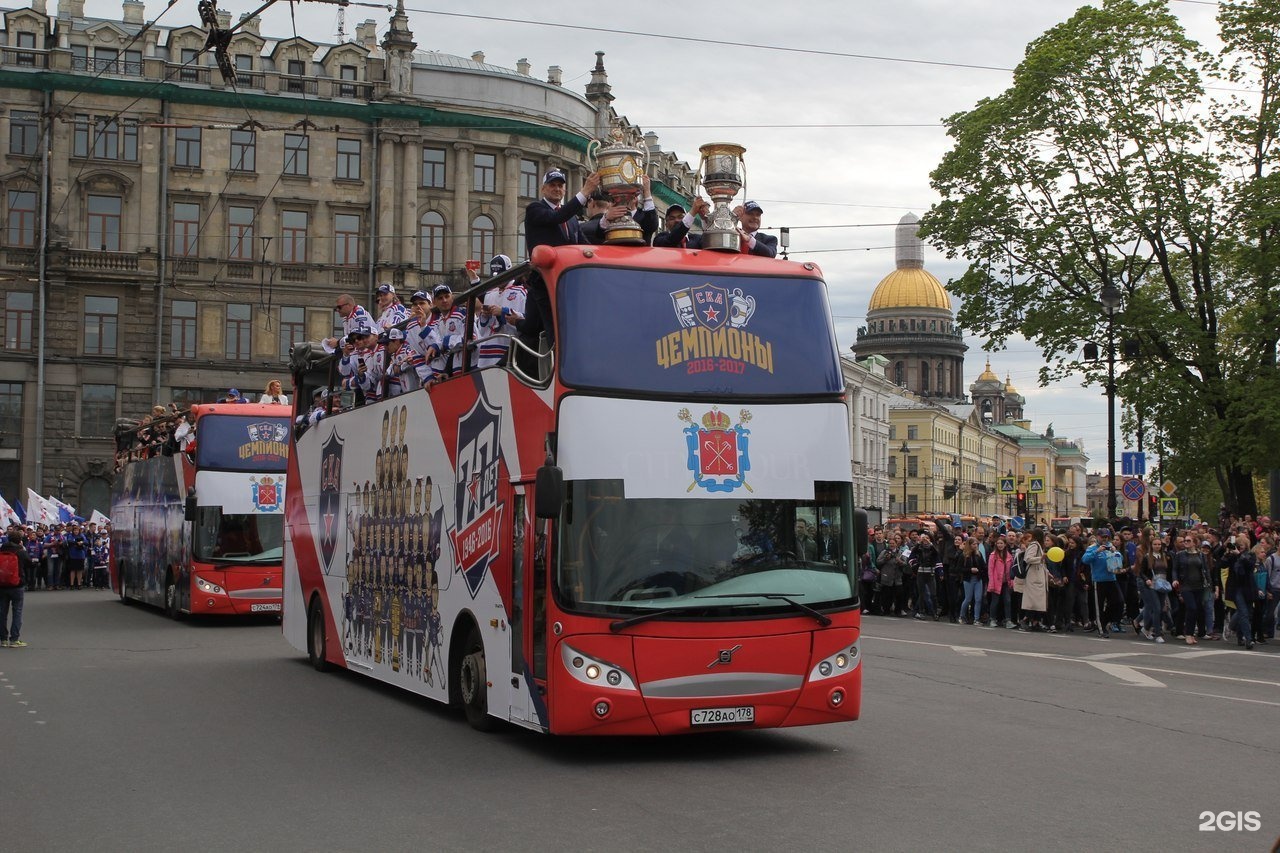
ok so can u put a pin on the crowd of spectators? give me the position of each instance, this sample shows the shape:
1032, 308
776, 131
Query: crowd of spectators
1195, 584
65, 556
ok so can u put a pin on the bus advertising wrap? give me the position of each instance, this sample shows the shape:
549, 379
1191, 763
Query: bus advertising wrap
674, 332
237, 443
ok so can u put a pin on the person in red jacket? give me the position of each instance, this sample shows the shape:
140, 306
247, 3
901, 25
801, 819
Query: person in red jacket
11, 590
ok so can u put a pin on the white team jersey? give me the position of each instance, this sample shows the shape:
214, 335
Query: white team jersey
512, 300
354, 377
392, 315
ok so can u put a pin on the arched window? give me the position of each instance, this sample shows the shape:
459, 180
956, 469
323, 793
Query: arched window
431, 242
899, 372
941, 379
95, 493
924, 377
482, 239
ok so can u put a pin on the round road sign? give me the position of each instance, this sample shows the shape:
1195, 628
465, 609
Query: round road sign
1134, 489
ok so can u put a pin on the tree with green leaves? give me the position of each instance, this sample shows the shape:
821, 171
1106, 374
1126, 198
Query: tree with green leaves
1125, 155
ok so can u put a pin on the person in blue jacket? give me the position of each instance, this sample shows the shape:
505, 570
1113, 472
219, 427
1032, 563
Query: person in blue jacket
1105, 562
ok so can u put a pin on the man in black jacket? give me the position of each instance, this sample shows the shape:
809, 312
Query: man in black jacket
11, 595
550, 221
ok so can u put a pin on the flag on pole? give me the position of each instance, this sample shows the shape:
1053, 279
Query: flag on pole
39, 510
66, 512
98, 519
7, 514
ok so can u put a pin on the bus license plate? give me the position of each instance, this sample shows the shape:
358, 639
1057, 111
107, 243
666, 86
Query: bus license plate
264, 608
722, 716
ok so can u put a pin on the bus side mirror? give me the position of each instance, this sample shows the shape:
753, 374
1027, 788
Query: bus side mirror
861, 542
548, 491
189, 509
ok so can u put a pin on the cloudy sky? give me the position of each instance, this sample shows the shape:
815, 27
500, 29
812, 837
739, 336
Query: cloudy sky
838, 103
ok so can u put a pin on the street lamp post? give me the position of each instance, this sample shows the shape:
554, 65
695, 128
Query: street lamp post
784, 241
62, 489
955, 483
1110, 297
904, 450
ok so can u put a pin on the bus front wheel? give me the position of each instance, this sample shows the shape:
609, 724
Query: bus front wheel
316, 640
472, 683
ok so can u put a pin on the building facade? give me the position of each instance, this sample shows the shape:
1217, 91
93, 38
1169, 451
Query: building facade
167, 232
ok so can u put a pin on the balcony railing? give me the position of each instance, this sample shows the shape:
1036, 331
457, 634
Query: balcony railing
19, 257
79, 259
352, 89
346, 277
294, 273
186, 266
129, 68
239, 270
296, 85
24, 57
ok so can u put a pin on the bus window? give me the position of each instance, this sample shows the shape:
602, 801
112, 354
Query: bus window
237, 538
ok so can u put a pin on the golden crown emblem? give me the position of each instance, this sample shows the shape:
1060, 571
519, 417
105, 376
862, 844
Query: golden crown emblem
715, 419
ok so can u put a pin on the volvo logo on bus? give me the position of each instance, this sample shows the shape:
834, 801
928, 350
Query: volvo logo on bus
724, 658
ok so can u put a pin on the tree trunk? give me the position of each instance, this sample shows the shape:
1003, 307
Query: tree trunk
1239, 492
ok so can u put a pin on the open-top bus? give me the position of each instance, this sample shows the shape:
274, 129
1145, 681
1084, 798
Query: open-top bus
615, 537
197, 526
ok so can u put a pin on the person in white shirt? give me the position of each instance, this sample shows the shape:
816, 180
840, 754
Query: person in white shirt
274, 393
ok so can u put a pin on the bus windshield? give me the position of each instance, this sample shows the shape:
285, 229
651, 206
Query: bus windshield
242, 443
622, 556
237, 539
696, 333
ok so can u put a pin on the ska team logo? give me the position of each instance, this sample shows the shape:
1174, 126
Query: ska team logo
268, 431
477, 515
267, 493
330, 496
712, 307
718, 452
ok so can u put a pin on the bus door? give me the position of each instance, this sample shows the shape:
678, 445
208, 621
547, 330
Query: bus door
528, 614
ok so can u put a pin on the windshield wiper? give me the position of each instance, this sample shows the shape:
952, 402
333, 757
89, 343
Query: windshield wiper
615, 627
822, 618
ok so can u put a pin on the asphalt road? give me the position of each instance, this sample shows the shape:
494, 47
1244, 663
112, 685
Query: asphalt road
121, 730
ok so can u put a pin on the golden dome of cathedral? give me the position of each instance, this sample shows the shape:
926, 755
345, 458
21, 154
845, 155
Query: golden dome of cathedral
910, 285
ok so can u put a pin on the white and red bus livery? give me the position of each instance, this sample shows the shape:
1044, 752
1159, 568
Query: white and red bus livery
647, 530
198, 528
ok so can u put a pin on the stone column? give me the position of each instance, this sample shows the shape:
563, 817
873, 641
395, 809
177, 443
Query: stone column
460, 244
407, 193
509, 243
384, 204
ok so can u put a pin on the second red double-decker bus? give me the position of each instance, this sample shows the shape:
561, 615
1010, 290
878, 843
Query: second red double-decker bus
651, 532
197, 525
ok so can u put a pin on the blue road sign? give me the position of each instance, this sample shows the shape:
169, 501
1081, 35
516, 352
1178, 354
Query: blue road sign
1133, 464
1133, 489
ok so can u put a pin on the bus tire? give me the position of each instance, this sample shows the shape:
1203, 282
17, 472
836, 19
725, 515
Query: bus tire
171, 606
317, 642
124, 595
472, 681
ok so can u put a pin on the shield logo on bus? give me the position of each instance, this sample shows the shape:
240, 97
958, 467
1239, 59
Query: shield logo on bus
711, 305
330, 496
477, 515
718, 450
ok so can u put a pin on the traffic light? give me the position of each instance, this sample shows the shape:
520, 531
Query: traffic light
1153, 506
1022, 503
1090, 351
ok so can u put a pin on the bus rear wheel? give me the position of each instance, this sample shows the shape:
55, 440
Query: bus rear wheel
316, 639
472, 683
124, 595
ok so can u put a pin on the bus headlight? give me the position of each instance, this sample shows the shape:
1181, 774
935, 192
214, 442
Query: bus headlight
593, 671
209, 586
843, 661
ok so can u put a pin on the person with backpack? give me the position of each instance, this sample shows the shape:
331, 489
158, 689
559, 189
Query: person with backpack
14, 564
1105, 562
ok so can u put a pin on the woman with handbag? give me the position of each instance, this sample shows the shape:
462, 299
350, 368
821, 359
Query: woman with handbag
1154, 585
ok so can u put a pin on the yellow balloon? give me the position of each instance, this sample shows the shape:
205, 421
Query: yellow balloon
1055, 554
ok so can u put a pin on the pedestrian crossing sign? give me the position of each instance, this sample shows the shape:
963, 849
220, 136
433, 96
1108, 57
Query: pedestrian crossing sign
1006, 485
1168, 506
1035, 484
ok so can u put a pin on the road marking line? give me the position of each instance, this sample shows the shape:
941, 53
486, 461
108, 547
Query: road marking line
1232, 698
1208, 675
1127, 674
969, 651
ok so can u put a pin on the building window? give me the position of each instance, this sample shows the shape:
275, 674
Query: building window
296, 70
103, 222
529, 178
101, 324
239, 329
240, 233
484, 173
913, 432
21, 224
296, 149
185, 398
186, 147
182, 331
293, 237
190, 70
483, 236
346, 239
10, 421
244, 61
107, 137
913, 466
348, 160
26, 40
913, 503
940, 377
431, 242
18, 313
433, 168
23, 132
244, 150
293, 327
924, 377
347, 74
186, 230
899, 370
97, 410
893, 467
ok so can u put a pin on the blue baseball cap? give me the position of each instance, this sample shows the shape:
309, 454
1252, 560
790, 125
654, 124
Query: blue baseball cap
554, 175
752, 207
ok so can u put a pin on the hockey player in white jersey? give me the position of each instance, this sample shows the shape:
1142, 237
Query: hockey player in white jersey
503, 308
446, 335
358, 364
399, 376
391, 311
353, 317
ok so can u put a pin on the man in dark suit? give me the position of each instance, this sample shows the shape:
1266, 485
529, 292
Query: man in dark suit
645, 215
678, 222
753, 240
550, 221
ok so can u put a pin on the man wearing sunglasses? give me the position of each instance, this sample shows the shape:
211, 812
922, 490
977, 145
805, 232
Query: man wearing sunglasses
353, 317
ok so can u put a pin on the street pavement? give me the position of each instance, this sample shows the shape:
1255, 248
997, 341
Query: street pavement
121, 730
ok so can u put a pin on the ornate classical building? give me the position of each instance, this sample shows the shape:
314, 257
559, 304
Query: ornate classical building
167, 233
909, 323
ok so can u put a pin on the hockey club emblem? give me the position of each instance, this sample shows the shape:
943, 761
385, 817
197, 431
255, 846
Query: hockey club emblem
477, 514
330, 496
718, 457
712, 307
267, 493
268, 431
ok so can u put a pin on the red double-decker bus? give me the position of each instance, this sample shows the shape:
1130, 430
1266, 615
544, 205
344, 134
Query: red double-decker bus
197, 527
648, 529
